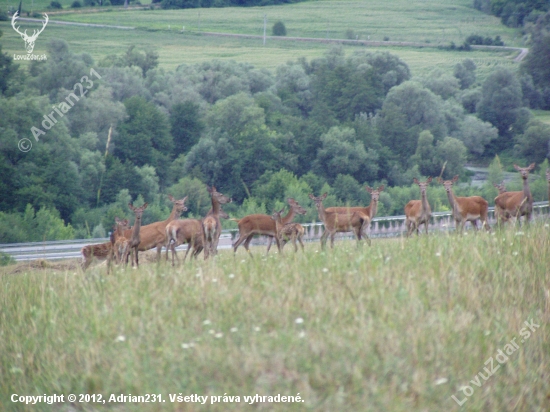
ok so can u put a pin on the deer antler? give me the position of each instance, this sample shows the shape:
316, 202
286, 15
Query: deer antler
17, 28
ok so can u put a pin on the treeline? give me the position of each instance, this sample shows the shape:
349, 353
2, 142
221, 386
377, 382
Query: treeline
331, 124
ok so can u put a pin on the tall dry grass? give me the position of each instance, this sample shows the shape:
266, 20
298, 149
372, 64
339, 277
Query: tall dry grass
399, 326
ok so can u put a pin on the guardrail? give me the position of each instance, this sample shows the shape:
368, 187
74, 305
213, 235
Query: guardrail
381, 227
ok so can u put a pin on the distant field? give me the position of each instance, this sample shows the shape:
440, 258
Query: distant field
177, 48
542, 115
402, 325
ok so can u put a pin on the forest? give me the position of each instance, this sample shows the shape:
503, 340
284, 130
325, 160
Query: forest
331, 124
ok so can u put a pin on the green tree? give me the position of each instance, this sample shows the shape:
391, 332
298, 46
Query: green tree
534, 144
501, 99
186, 126
465, 73
144, 138
279, 29
476, 134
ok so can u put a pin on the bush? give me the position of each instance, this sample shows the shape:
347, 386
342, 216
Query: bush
76, 4
279, 29
350, 34
55, 5
6, 259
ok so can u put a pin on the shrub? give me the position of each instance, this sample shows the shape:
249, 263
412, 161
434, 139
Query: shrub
350, 34
76, 4
55, 5
6, 259
279, 29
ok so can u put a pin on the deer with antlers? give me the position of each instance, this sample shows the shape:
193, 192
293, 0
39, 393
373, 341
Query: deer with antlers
259, 224
288, 232
29, 40
211, 224
418, 212
466, 209
339, 222
180, 232
154, 234
517, 204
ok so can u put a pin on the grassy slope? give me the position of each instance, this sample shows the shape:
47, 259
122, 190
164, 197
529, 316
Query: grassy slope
434, 21
380, 327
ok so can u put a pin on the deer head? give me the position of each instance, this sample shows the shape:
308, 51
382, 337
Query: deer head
296, 206
180, 204
422, 185
318, 200
448, 184
375, 193
29, 40
217, 196
500, 187
524, 171
276, 216
138, 211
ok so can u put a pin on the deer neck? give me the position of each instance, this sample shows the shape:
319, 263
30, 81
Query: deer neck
452, 201
527, 191
173, 215
137, 226
425, 204
321, 211
288, 218
215, 207
373, 207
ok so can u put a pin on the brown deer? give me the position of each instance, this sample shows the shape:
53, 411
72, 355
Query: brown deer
90, 253
517, 204
418, 212
180, 232
211, 224
119, 244
466, 209
335, 222
154, 234
500, 214
369, 211
135, 239
288, 232
259, 224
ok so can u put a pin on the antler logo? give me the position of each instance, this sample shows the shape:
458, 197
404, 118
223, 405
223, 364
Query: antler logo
29, 40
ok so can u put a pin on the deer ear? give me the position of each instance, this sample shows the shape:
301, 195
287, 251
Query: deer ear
455, 179
415, 180
145, 206
531, 166
381, 188
311, 196
324, 196
429, 180
171, 198
131, 207
184, 199
516, 167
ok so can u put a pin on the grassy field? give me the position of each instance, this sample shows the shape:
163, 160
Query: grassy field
429, 22
542, 115
400, 326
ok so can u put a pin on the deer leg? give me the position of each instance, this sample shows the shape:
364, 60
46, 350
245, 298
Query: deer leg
247, 242
324, 239
238, 243
269, 242
301, 243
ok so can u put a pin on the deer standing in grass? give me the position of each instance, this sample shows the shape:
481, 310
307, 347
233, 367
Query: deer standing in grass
119, 243
188, 231
211, 224
90, 253
466, 209
338, 222
368, 211
500, 214
259, 224
154, 234
517, 204
418, 212
135, 239
288, 232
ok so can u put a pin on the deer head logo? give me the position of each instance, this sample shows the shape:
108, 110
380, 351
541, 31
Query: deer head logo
29, 40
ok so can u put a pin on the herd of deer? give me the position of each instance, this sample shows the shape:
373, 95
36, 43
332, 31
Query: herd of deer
204, 234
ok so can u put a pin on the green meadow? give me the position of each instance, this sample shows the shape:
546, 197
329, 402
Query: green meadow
176, 34
401, 325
